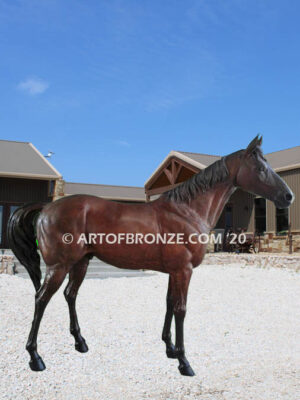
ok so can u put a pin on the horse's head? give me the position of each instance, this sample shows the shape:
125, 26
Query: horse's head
256, 176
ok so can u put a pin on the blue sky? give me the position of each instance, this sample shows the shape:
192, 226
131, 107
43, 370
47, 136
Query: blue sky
112, 86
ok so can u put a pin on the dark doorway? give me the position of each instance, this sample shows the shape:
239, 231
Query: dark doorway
14, 192
282, 220
6, 209
260, 215
1, 223
228, 217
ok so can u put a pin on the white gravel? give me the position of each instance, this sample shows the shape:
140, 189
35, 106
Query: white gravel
242, 335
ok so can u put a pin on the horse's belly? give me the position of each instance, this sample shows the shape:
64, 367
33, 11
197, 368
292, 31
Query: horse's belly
130, 256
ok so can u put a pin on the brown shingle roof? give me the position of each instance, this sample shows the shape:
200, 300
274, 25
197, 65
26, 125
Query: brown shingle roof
205, 159
112, 192
284, 159
279, 160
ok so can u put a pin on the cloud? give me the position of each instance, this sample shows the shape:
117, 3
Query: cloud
33, 86
122, 143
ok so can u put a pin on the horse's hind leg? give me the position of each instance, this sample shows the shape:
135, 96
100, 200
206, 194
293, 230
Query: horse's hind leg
166, 333
53, 279
76, 277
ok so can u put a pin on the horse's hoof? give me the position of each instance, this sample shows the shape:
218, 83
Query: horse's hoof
186, 370
171, 351
171, 354
82, 347
37, 364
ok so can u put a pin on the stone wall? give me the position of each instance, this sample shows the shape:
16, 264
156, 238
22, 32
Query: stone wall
271, 243
279, 244
7, 265
261, 260
210, 246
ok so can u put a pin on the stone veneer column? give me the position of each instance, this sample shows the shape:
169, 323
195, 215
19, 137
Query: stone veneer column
59, 190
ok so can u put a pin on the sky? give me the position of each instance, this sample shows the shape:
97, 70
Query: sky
112, 86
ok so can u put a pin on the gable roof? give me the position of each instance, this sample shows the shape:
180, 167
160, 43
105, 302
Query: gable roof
23, 160
203, 159
281, 160
112, 192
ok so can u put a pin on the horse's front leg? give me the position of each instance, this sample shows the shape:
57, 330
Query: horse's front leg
166, 333
179, 290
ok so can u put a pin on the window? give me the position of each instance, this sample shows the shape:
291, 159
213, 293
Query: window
260, 215
12, 209
282, 219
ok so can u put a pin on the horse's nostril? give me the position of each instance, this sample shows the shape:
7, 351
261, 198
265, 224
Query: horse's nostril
288, 197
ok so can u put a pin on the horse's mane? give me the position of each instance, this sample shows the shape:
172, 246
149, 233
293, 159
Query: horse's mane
200, 182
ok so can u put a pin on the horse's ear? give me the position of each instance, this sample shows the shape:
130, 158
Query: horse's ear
260, 141
257, 141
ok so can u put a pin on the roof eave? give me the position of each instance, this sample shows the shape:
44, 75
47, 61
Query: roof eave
111, 197
166, 159
287, 167
29, 176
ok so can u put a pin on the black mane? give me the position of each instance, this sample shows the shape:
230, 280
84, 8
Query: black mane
200, 182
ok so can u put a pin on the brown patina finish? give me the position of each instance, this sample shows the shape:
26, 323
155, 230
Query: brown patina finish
191, 208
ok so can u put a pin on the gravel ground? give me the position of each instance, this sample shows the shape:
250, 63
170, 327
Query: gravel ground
242, 335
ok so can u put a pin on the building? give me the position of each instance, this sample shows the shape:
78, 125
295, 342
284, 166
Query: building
243, 209
25, 176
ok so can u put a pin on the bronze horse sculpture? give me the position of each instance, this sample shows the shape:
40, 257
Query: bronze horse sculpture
192, 207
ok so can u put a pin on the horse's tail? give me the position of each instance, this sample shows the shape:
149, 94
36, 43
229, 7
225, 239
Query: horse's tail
22, 239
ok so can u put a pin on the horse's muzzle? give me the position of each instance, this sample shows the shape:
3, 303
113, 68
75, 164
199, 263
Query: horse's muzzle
284, 199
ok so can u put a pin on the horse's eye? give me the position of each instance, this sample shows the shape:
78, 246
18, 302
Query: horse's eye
254, 153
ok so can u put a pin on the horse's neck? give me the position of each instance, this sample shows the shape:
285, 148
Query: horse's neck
210, 204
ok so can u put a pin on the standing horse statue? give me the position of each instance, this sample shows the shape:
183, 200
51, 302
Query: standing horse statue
191, 208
